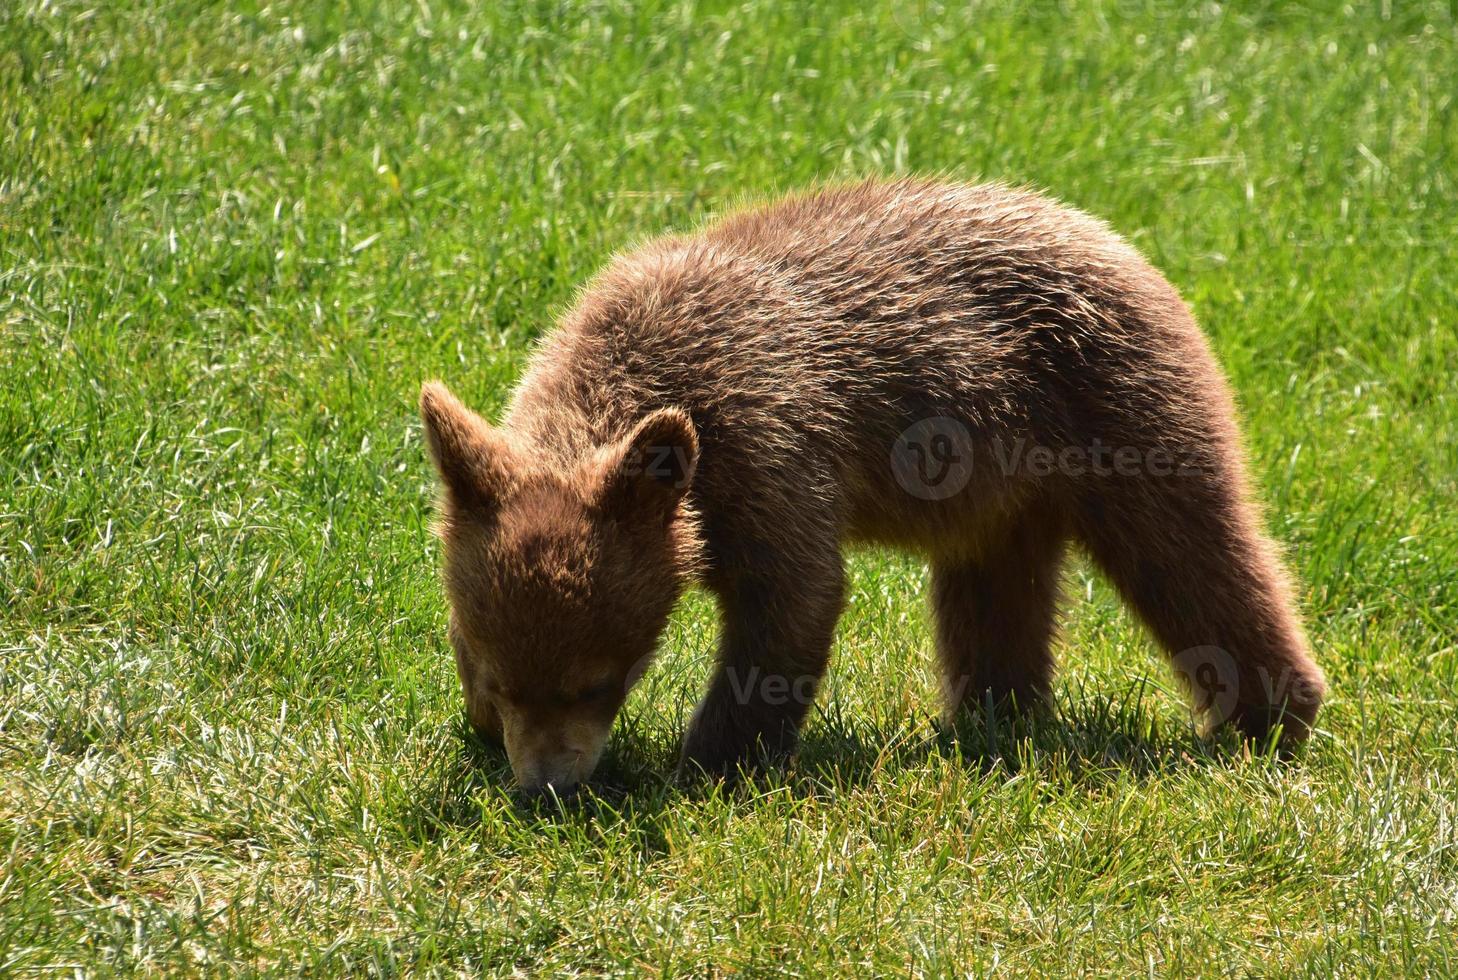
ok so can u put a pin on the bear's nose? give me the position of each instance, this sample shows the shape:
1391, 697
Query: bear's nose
547, 790
555, 776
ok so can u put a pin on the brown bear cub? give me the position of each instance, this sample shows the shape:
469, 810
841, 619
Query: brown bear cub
973, 372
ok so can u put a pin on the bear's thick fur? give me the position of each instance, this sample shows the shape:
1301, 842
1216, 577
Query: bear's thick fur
975, 373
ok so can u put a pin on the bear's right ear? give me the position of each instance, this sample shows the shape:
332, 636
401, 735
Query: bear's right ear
471, 457
648, 472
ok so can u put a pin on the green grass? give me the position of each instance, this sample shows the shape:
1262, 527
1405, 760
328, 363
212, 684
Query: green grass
234, 239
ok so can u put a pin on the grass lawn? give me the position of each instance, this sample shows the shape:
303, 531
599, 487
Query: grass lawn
235, 238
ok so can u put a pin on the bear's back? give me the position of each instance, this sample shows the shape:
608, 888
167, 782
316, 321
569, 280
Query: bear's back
832, 318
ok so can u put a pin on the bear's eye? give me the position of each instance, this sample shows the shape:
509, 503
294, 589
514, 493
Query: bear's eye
598, 692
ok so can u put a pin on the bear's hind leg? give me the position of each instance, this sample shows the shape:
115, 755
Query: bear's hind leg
1187, 553
995, 618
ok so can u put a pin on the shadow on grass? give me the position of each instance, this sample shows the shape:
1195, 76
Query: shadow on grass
1083, 743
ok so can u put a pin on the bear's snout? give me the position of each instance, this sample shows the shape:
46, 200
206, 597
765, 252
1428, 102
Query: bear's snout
558, 774
554, 757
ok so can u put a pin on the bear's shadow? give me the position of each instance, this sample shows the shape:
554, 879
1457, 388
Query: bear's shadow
1085, 742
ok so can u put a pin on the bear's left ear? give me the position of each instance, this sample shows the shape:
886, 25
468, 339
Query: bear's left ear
647, 472
473, 460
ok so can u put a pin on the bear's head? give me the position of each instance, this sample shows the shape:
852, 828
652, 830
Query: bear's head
560, 577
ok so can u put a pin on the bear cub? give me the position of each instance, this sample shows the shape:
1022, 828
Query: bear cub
975, 373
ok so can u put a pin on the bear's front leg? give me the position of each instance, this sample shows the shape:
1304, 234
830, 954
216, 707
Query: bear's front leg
778, 623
